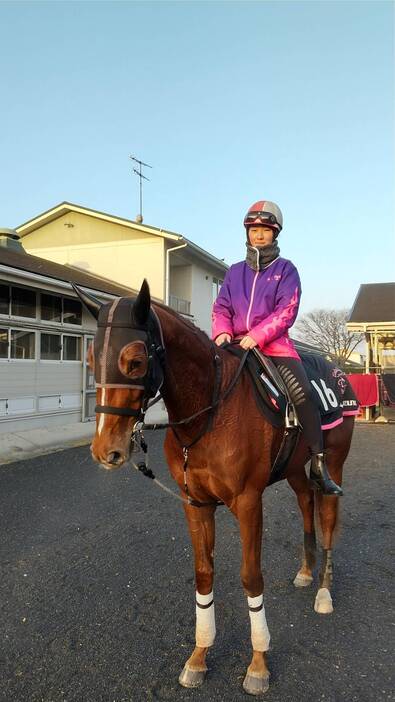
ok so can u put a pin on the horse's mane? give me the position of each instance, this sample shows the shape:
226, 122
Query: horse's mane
192, 327
203, 337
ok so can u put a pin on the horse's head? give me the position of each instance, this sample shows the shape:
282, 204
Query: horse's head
127, 359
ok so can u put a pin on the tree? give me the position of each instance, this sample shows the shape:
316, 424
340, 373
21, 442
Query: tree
327, 330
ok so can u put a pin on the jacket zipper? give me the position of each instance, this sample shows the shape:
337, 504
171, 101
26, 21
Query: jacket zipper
251, 301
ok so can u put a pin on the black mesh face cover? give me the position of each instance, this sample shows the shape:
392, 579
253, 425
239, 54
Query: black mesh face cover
116, 329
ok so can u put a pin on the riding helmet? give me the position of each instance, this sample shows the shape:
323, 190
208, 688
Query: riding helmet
267, 213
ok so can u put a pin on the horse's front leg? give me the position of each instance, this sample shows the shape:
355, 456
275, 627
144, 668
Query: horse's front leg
201, 524
249, 514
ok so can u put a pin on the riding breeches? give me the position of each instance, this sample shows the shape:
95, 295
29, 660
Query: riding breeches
300, 391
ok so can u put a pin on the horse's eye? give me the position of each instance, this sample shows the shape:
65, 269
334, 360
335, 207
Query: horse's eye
132, 360
134, 365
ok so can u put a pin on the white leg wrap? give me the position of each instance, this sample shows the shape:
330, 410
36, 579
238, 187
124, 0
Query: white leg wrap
205, 620
260, 637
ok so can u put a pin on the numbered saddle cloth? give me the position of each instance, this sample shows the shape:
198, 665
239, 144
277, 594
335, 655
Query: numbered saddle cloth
332, 390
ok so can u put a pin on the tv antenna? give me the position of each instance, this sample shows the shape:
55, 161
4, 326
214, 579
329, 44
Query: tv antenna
142, 177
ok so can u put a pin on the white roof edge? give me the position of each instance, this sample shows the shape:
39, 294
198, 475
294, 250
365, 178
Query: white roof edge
362, 325
206, 255
65, 207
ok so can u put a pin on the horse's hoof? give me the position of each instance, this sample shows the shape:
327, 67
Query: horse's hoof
323, 601
254, 685
192, 678
302, 580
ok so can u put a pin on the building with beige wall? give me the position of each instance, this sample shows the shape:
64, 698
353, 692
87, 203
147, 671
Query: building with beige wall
179, 272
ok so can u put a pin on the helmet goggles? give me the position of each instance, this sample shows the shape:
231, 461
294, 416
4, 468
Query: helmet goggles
264, 218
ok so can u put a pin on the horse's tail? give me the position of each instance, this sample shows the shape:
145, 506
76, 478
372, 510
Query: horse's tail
318, 500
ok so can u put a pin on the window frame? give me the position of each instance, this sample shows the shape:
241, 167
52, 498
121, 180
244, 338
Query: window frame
51, 322
6, 315
20, 360
51, 360
3, 359
71, 324
62, 323
61, 359
18, 316
71, 360
10, 314
38, 311
217, 283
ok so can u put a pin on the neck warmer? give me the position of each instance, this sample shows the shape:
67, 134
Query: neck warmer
258, 257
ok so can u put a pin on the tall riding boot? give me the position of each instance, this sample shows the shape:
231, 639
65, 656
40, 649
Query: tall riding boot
320, 477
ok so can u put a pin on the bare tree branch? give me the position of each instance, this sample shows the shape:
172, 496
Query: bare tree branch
327, 330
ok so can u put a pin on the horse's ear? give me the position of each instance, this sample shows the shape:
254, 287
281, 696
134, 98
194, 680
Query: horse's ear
91, 303
143, 303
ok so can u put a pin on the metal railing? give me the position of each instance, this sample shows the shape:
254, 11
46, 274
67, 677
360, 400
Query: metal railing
180, 305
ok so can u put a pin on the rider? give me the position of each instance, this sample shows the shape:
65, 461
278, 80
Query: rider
258, 303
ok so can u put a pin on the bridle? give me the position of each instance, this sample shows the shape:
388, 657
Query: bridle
151, 382
107, 371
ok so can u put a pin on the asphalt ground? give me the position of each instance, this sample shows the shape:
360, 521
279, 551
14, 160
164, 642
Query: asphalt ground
97, 589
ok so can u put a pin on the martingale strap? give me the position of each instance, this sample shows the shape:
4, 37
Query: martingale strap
124, 411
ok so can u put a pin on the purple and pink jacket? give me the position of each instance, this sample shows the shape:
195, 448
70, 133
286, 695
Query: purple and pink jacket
263, 304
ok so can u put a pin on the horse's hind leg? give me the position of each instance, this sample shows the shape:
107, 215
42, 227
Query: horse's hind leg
201, 525
337, 445
305, 497
327, 507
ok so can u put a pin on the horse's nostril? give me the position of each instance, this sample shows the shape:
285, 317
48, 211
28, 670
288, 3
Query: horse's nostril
114, 457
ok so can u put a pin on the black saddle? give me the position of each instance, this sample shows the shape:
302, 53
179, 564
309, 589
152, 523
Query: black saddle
333, 395
271, 396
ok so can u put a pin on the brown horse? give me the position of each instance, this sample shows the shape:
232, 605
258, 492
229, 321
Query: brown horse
230, 462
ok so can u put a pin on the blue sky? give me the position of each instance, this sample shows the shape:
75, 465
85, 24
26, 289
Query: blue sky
230, 102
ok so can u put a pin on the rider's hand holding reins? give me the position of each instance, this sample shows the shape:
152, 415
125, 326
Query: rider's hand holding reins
222, 339
247, 342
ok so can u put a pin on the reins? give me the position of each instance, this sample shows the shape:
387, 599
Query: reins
142, 467
216, 401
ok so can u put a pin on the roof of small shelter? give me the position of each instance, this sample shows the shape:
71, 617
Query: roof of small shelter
375, 302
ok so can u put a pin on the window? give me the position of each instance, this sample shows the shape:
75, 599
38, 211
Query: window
179, 305
216, 287
51, 308
51, 347
23, 344
57, 309
60, 347
4, 299
71, 348
72, 311
3, 343
17, 344
23, 302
